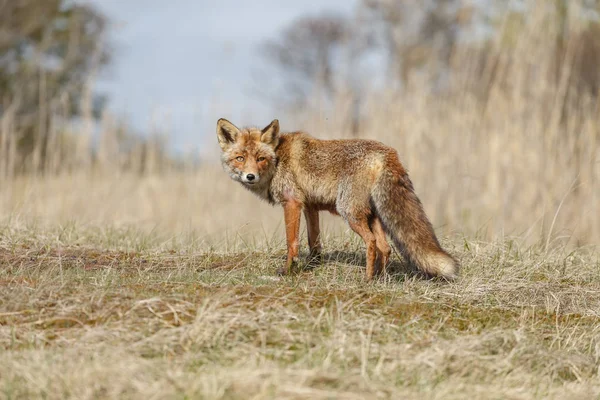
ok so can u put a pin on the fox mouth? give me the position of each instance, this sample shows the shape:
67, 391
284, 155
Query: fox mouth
249, 183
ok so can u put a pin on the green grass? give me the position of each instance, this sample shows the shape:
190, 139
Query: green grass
100, 314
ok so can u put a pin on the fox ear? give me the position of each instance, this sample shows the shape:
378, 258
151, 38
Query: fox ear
270, 134
226, 133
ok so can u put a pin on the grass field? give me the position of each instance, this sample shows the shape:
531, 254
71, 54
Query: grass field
90, 313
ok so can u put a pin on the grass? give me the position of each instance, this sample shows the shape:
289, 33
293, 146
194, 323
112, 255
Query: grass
91, 316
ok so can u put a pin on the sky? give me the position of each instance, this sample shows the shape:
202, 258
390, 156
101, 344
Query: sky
180, 65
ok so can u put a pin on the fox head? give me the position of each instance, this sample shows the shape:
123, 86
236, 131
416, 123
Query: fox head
248, 154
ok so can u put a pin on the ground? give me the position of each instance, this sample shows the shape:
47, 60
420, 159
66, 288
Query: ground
111, 316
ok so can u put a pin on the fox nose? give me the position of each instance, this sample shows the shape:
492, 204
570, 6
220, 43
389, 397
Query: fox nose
250, 177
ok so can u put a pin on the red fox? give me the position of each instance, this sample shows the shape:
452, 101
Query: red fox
363, 181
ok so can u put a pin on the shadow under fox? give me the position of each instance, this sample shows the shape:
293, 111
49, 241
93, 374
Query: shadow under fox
363, 181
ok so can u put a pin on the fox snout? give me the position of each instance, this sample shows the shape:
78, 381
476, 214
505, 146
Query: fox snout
250, 178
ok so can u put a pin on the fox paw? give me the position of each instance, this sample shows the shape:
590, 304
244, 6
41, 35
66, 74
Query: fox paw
314, 259
288, 267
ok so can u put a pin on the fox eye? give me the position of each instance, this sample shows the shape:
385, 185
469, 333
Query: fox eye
240, 158
260, 159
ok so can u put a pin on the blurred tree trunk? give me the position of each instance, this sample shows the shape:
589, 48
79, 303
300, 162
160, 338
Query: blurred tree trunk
48, 51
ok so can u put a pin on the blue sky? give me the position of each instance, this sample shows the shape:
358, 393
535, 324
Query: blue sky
185, 63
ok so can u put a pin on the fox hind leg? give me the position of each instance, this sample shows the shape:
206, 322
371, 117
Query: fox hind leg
354, 206
361, 227
383, 248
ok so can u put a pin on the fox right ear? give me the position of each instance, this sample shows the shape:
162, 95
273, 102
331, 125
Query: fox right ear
270, 134
226, 133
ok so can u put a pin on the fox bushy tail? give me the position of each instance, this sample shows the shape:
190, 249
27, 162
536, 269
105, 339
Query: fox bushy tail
404, 220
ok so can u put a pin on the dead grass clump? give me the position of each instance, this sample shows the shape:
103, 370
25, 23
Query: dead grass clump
159, 322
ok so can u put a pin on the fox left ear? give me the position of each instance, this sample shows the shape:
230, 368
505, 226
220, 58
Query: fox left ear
270, 134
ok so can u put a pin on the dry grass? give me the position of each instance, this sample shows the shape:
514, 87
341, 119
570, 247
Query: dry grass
84, 314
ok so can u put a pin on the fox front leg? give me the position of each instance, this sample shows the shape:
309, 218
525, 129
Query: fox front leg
312, 224
291, 214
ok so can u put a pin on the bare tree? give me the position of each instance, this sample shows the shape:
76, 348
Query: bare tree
307, 54
415, 34
48, 50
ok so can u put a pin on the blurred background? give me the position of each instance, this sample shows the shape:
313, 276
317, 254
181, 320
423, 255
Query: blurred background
108, 109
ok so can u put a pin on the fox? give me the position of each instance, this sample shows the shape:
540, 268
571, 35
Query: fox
360, 180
